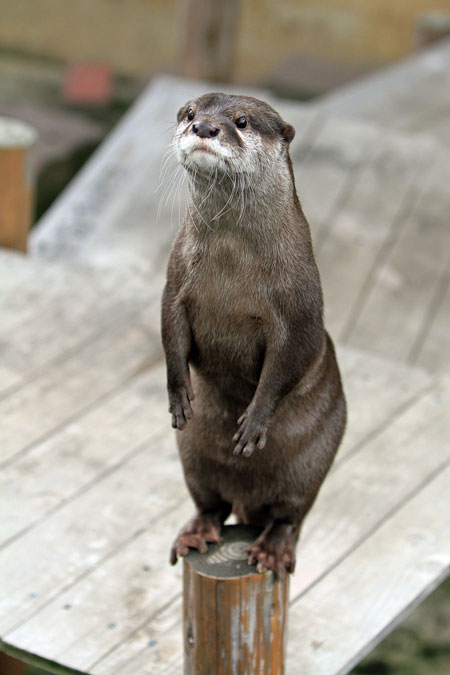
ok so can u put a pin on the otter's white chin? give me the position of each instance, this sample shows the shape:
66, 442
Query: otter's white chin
204, 159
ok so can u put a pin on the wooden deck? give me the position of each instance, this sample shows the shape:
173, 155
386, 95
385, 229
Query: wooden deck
91, 481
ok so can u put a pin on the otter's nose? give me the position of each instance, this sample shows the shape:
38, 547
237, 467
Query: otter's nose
205, 129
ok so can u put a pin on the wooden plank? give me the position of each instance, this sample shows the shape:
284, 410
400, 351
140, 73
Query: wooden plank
383, 579
356, 499
153, 648
22, 285
377, 392
402, 96
433, 352
69, 386
325, 177
41, 301
71, 460
362, 490
116, 596
88, 529
367, 224
72, 309
406, 280
8, 377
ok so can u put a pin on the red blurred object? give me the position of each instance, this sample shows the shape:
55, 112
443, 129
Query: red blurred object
88, 83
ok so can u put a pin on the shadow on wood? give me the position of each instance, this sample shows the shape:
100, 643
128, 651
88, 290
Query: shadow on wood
234, 618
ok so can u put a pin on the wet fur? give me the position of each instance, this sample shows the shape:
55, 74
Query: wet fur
242, 326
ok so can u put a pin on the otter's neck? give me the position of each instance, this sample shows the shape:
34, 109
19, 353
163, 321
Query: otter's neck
240, 201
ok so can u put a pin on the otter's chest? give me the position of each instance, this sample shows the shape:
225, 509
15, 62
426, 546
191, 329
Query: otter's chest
225, 295
227, 274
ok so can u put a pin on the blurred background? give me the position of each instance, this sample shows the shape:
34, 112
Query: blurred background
71, 70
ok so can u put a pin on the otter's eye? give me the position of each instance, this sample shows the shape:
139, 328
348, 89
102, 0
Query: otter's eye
191, 114
241, 122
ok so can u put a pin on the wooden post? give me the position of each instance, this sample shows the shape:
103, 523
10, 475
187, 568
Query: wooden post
16, 193
234, 618
10, 666
206, 38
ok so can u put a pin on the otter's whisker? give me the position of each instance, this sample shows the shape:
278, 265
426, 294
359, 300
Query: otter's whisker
166, 192
224, 209
169, 156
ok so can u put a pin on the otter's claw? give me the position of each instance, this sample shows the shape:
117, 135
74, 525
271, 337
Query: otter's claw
251, 434
180, 406
273, 551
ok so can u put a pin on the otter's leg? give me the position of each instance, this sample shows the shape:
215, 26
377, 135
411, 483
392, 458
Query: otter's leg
177, 339
204, 528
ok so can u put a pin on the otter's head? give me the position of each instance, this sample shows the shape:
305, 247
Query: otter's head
229, 133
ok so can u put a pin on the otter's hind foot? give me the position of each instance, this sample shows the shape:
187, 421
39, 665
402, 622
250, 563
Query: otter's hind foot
197, 533
274, 550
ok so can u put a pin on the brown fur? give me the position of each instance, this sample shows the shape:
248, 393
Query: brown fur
242, 326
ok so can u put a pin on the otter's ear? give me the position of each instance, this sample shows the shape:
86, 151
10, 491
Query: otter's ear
288, 132
180, 113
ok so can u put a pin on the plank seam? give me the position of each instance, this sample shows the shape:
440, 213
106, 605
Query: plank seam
123, 544
139, 627
378, 430
71, 418
407, 206
135, 451
387, 516
38, 371
430, 315
350, 183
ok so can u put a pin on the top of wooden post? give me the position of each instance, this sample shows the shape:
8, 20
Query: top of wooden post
16, 134
229, 559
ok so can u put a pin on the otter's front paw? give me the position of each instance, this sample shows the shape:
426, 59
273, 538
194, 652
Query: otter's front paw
252, 434
180, 404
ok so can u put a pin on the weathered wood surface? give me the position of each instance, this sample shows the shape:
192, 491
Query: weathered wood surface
376, 200
93, 492
412, 95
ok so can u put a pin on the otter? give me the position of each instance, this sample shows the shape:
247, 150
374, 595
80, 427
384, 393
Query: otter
254, 387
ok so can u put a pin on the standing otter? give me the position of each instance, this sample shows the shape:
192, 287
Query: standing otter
242, 329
